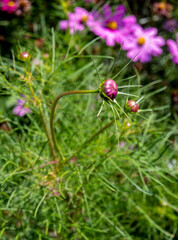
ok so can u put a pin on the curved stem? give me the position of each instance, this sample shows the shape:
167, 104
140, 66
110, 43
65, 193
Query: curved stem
53, 111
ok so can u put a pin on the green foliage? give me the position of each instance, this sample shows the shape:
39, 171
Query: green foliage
123, 183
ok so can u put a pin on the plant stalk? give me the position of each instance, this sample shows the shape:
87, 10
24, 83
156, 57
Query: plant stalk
53, 112
51, 145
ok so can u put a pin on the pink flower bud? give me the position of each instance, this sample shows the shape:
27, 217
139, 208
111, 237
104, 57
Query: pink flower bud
24, 56
110, 88
132, 105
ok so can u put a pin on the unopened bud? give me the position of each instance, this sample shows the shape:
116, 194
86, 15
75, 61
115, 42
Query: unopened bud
132, 106
24, 56
110, 88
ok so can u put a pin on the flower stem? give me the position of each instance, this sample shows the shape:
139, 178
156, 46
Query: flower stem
90, 139
51, 145
53, 111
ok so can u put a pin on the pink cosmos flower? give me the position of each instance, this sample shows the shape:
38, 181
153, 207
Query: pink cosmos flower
112, 26
143, 44
9, 6
77, 20
173, 49
20, 109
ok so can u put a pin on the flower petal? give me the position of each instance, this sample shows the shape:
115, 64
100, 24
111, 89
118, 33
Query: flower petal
63, 24
17, 110
107, 11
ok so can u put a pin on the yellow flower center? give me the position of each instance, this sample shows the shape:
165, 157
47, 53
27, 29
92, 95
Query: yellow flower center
112, 25
141, 40
11, 3
84, 18
161, 5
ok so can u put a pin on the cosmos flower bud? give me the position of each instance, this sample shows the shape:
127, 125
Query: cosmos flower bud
24, 56
132, 106
110, 89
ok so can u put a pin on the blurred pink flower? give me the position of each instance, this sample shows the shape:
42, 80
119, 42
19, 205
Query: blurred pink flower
171, 25
143, 44
56, 193
112, 26
122, 144
24, 5
173, 49
46, 55
9, 6
77, 20
36, 62
131, 146
163, 8
20, 109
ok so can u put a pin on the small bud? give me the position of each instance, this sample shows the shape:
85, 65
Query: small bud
132, 105
110, 88
24, 56
46, 55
